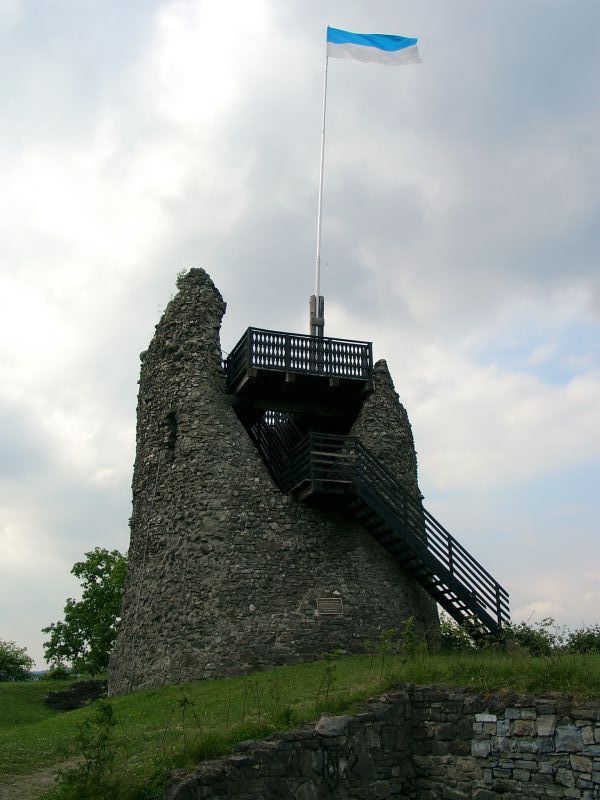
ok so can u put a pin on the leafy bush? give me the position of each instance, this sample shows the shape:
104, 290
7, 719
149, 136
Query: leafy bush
539, 639
179, 281
453, 637
15, 664
58, 672
584, 640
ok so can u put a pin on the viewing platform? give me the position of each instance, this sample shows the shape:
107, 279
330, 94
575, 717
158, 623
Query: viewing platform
292, 372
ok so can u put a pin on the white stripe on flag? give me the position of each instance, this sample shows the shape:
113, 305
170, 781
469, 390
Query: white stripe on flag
407, 55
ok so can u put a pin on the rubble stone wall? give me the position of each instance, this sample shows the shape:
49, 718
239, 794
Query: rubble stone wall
419, 743
224, 570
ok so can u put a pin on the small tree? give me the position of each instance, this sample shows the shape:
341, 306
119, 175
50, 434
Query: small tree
541, 638
86, 635
15, 664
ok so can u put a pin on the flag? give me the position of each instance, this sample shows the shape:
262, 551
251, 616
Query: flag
380, 47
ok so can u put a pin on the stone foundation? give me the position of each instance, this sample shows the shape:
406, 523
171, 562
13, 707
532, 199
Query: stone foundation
419, 743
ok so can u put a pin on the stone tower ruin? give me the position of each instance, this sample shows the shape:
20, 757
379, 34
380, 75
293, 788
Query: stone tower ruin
238, 561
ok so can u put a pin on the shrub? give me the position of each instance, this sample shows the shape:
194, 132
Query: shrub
58, 672
584, 640
539, 639
92, 778
179, 281
15, 664
453, 637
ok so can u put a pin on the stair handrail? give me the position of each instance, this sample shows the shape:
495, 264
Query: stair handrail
456, 546
448, 551
445, 548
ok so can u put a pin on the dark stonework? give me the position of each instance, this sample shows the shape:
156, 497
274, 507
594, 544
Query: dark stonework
418, 743
384, 427
77, 695
225, 571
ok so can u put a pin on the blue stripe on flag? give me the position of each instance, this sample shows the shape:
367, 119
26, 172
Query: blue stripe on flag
381, 41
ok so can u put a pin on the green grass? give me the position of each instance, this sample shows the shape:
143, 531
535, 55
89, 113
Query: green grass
175, 725
22, 703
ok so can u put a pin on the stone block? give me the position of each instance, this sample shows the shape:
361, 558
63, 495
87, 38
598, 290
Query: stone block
438, 748
523, 727
501, 744
581, 763
444, 731
531, 764
332, 726
546, 724
481, 748
528, 713
459, 747
502, 773
512, 713
587, 734
486, 718
565, 777
568, 739
544, 709
584, 714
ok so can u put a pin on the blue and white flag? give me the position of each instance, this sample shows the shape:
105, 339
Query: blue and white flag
380, 47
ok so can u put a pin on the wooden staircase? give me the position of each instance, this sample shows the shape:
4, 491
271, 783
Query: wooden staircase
318, 466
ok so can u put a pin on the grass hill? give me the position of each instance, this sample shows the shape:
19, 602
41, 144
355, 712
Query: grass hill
134, 741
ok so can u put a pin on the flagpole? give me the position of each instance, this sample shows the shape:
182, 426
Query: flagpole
317, 303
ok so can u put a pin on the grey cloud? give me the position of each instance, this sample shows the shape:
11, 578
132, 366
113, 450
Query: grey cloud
451, 193
23, 453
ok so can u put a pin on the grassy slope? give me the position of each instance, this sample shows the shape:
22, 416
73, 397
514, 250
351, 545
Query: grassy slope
226, 710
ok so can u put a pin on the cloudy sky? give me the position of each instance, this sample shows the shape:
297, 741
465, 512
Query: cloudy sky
460, 234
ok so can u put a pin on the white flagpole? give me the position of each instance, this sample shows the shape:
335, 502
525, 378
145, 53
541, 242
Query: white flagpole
317, 305
320, 208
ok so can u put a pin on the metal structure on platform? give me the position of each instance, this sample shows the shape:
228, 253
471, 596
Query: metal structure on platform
274, 370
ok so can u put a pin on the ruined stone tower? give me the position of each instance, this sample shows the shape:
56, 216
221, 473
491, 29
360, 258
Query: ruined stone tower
227, 572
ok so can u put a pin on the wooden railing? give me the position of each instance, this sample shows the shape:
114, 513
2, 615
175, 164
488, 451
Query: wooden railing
293, 352
333, 463
275, 434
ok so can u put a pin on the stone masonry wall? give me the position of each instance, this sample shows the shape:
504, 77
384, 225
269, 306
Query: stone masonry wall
419, 743
225, 571
384, 427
